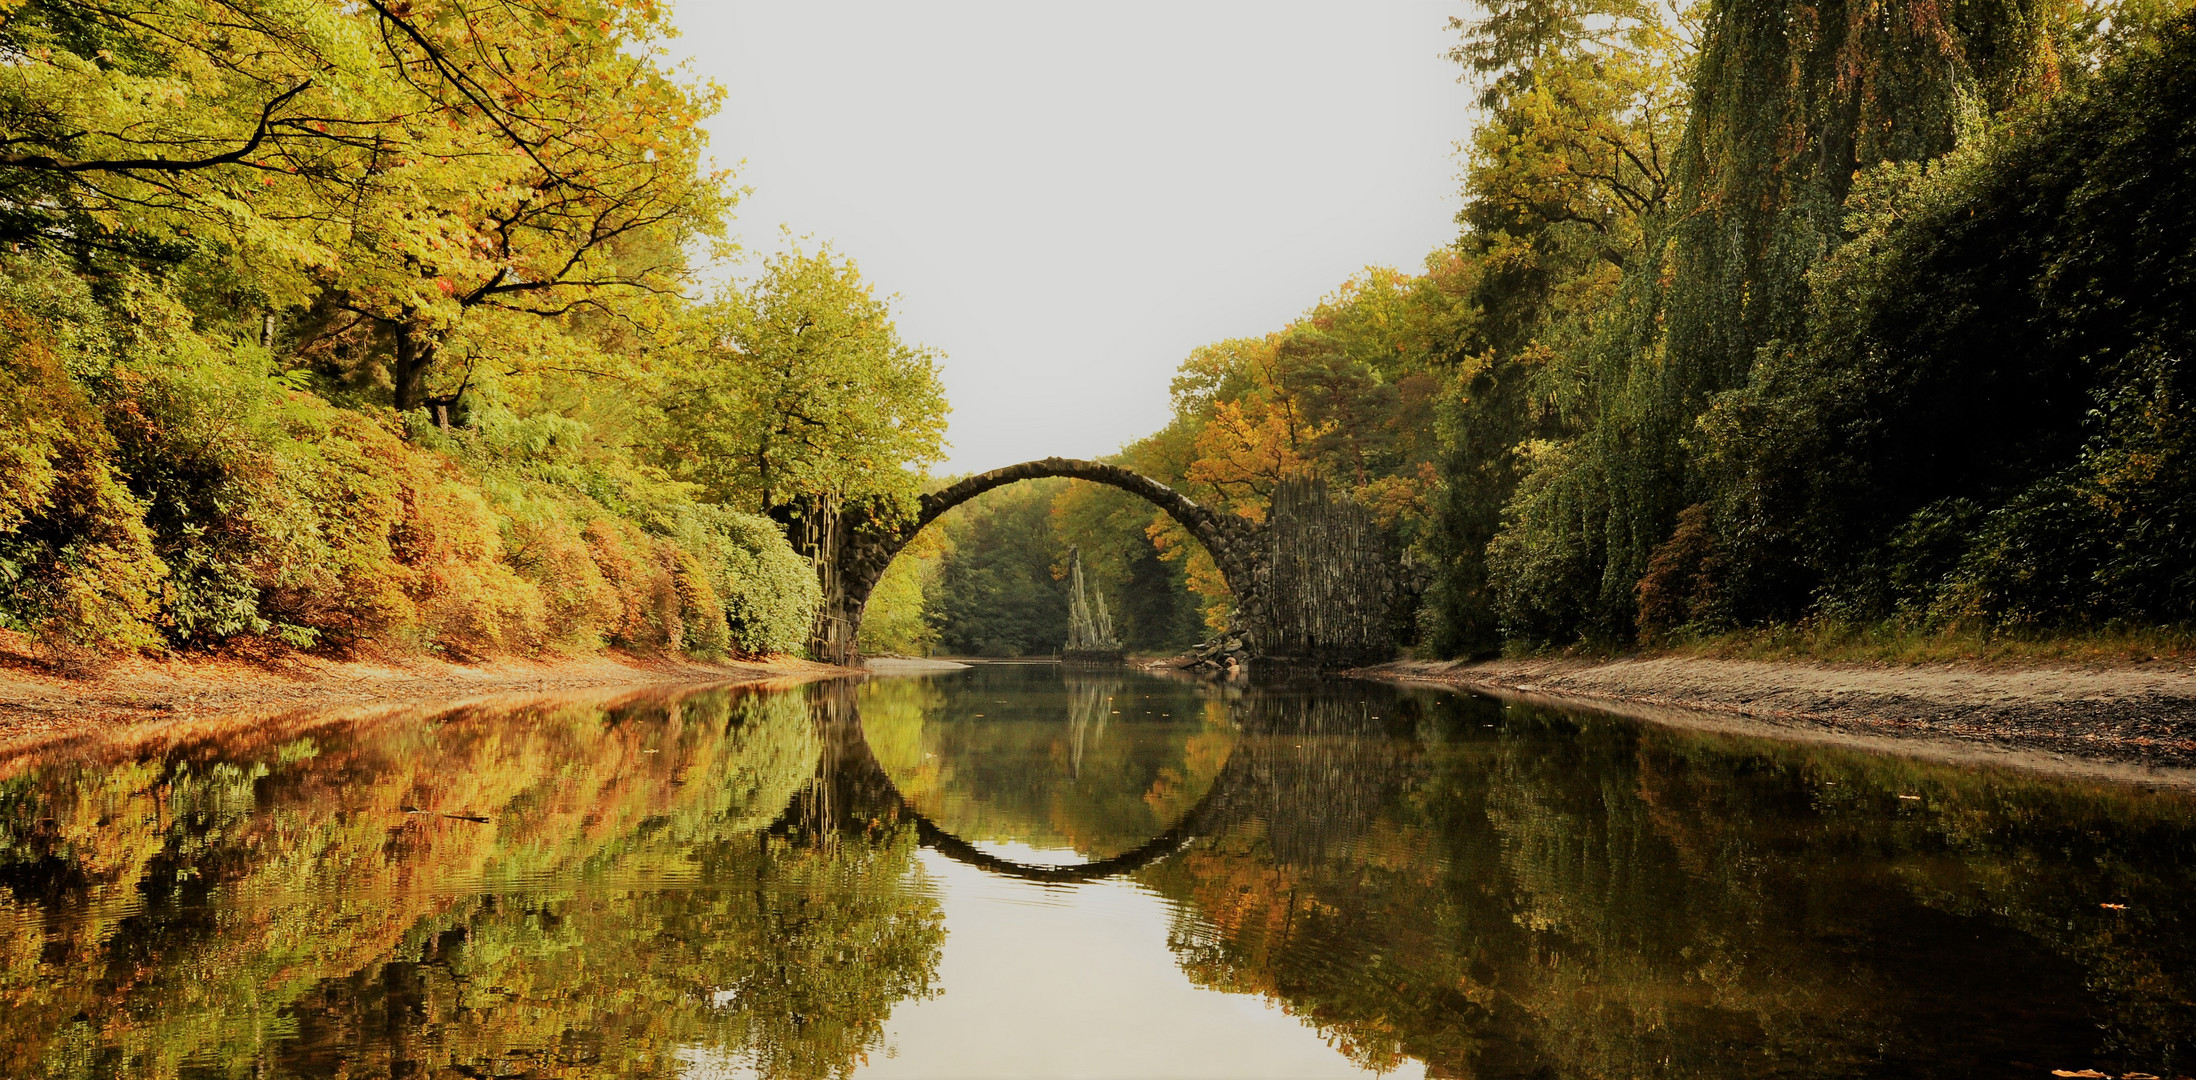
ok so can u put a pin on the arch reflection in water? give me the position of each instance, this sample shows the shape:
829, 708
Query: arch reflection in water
1508, 890
1101, 773
1308, 879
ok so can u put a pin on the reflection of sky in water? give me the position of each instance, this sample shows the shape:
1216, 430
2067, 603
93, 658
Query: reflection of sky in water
713, 885
1071, 981
1085, 973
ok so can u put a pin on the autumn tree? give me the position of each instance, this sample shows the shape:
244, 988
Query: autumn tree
578, 187
245, 228
382, 168
803, 387
150, 132
1565, 177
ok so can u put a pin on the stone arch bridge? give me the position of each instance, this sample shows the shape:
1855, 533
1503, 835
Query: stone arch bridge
1315, 581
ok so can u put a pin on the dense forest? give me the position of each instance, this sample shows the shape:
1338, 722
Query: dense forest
337, 324
344, 325
1761, 315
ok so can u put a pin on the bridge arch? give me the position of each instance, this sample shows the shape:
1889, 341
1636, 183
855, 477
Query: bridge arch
857, 555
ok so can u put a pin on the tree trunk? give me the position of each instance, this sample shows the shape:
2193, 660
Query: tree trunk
414, 355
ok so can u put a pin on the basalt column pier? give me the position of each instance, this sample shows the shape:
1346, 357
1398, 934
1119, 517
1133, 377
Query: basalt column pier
852, 548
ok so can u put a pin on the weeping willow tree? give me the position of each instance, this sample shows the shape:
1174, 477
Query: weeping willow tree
1988, 420
1788, 102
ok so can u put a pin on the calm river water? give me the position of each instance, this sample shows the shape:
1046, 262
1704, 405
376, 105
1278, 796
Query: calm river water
1031, 871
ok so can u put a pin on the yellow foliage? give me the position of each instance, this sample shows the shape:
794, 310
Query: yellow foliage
465, 599
75, 557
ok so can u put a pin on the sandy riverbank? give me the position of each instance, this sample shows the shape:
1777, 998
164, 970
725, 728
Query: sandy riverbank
37, 702
2141, 715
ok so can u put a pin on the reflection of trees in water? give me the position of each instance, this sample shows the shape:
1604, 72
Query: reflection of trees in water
1050, 769
787, 962
1557, 897
727, 878
322, 897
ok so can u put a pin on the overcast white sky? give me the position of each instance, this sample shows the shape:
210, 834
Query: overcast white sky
1069, 198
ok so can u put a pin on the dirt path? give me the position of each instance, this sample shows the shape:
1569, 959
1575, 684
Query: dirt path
36, 703
2142, 714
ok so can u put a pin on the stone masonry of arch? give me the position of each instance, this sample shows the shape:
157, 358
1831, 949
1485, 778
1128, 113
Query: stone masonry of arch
864, 548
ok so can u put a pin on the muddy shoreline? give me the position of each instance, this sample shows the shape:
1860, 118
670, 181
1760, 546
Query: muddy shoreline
2132, 722
38, 704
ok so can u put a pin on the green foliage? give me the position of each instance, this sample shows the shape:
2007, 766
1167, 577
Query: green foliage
897, 620
1567, 179
803, 387
1153, 609
1845, 348
243, 230
996, 594
344, 164
1988, 417
769, 593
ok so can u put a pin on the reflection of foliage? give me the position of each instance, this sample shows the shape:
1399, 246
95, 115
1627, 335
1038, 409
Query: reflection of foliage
277, 898
993, 761
788, 961
845, 939
892, 713
1597, 899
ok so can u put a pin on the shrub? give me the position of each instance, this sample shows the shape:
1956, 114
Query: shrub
77, 567
1679, 588
769, 593
157, 485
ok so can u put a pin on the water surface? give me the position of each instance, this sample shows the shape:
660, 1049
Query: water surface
1029, 870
